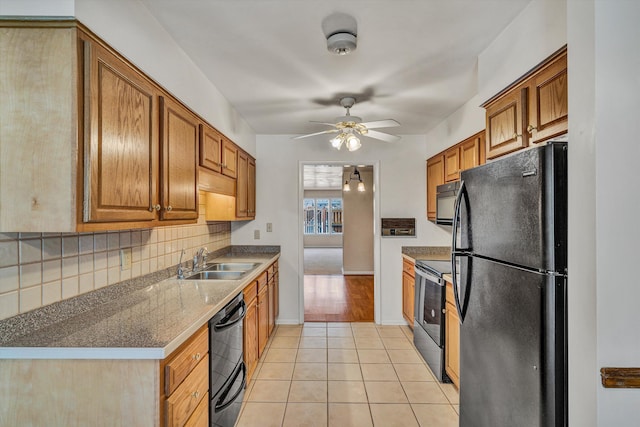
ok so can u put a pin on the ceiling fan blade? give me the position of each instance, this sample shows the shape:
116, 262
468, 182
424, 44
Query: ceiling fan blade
382, 136
322, 123
388, 123
317, 133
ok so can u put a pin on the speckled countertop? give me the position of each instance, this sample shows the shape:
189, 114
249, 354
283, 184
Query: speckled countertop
433, 253
146, 318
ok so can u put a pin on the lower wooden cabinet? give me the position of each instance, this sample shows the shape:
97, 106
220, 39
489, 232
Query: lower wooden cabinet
408, 291
452, 338
250, 328
263, 319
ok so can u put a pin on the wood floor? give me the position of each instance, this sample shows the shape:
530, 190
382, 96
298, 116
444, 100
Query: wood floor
338, 298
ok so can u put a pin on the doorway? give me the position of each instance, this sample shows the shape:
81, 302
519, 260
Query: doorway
338, 242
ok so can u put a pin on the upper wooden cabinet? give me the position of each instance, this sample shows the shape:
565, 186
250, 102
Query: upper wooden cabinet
210, 148
452, 164
121, 140
229, 158
435, 177
242, 185
251, 188
531, 110
179, 135
472, 151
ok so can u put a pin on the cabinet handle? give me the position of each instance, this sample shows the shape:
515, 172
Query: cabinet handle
154, 207
196, 356
531, 128
516, 136
195, 394
168, 208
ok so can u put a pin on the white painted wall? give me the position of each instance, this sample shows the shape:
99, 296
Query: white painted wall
402, 193
129, 28
358, 233
617, 151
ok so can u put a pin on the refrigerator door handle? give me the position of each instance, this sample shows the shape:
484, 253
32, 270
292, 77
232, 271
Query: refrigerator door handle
454, 250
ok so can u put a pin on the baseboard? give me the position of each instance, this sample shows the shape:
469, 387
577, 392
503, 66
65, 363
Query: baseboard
357, 273
287, 322
394, 323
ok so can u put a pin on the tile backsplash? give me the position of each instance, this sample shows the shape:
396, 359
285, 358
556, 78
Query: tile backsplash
37, 269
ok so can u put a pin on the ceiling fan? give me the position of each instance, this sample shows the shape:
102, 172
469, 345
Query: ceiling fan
349, 127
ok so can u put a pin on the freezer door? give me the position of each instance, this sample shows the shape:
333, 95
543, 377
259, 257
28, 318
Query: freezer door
512, 356
515, 209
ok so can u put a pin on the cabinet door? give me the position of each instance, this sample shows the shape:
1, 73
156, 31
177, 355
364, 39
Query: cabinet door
505, 118
229, 158
121, 140
180, 129
263, 319
251, 188
470, 152
452, 344
452, 164
242, 185
250, 326
272, 304
435, 177
210, 149
548, 101
408, 297
276, 297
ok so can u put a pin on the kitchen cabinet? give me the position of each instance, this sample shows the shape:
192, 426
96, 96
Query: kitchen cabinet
250, 329
242, 185
452, 164
408, 291
180, 137
272, 284
217, 153
472, 151
531, 110
251, 188
122, 154
452, 337
229, 158
263, 313
435, 177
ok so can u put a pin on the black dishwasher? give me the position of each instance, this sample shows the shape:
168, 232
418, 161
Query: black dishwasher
228, 374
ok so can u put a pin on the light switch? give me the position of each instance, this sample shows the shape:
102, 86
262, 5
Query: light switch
269, 227
256, 234
125, 259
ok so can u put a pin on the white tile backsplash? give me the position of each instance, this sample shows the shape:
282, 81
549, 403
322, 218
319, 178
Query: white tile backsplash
38, 269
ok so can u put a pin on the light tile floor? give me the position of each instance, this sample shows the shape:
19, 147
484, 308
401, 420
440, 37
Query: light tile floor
345, 374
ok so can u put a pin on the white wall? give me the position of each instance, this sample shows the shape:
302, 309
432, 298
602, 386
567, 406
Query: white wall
402, 193
617, 151
358, 233
130, 29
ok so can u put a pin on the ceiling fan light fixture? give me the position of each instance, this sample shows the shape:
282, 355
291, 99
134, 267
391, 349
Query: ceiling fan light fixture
342, 43
352, 142
337, 141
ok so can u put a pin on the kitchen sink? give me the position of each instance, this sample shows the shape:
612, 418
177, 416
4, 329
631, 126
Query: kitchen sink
217, 275
231, 266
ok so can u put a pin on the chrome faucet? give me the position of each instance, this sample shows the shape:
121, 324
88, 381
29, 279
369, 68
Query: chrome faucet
180, 269
200, 258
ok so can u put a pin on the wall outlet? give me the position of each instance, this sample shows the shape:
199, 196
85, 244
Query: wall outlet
256, 234
269, 227
125, 259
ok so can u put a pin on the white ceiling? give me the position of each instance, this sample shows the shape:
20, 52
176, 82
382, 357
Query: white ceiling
415, 61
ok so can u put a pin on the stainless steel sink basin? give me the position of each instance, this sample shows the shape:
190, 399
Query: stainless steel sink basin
231, 266
217, 275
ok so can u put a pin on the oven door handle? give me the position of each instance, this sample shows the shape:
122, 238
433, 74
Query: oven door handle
220, 406
429, 277
227, 322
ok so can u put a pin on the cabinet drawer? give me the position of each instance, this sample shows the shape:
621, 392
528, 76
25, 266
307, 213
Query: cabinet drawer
200, 417
250, 292
185, 399
262, 280
408, 267
185, 359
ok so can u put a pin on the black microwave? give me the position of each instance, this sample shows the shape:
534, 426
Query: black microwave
445, 202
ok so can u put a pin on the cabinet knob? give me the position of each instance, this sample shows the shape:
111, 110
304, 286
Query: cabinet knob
516, 136
168, 208
195, 394
154, 207
531, 128
196, 356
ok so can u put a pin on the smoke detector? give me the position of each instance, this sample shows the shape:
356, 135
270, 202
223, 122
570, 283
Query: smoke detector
342, 43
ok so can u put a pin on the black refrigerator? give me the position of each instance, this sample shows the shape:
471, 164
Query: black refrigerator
509, 265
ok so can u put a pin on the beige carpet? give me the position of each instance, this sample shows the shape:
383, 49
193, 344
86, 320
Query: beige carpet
327, 261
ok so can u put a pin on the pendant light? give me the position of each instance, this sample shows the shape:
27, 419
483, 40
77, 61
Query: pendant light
354, 176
